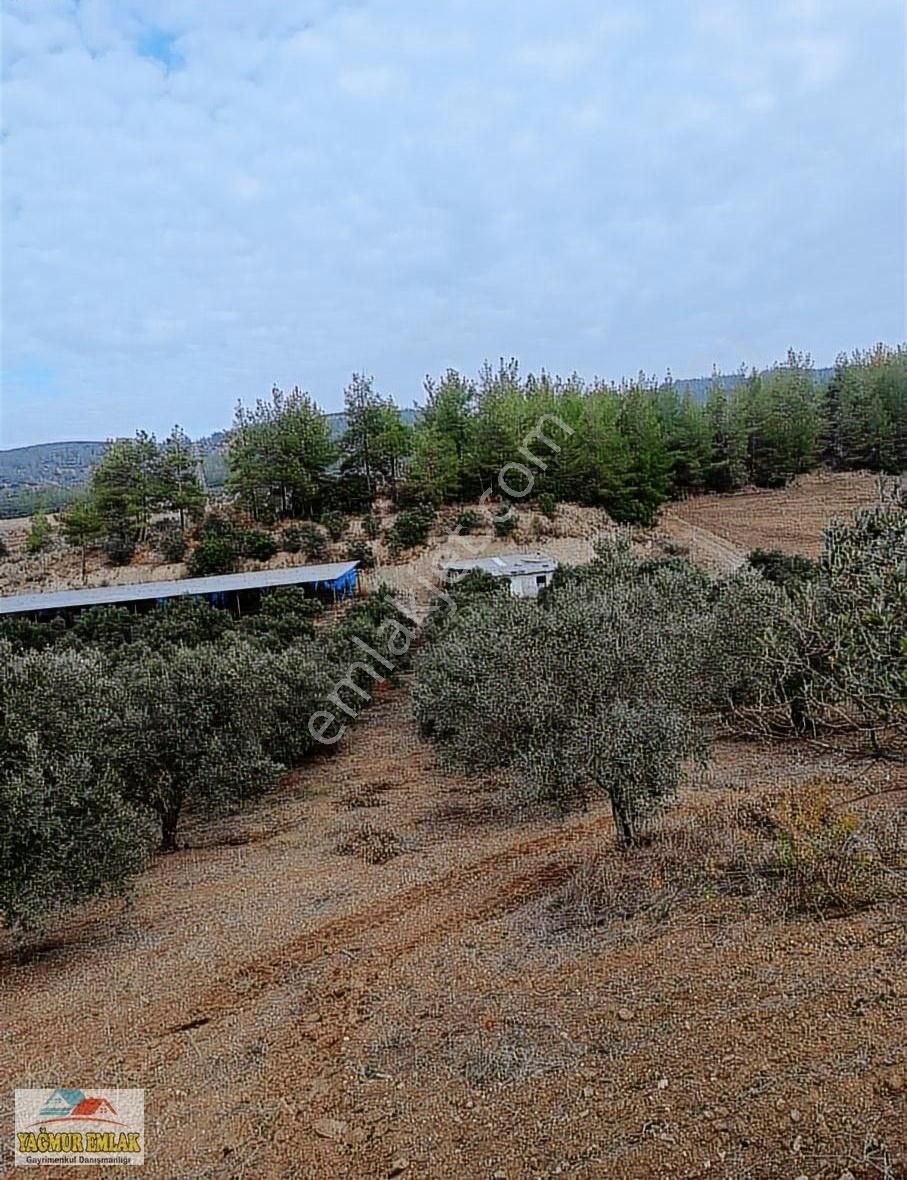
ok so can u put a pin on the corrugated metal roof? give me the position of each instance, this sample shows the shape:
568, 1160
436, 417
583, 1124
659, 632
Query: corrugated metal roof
293, 575
506, 565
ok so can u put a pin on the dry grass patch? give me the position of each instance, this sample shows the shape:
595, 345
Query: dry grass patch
372, 844
365, 795
806, 851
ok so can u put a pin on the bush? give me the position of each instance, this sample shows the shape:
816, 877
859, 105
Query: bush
826, 861
314, 543
294, 681
335, 523
257, 544
468, 521
214, 524
119, 548
473, 589
786, 570
173, 546
189, 731
214, 554
362, 552
411, 527
4, 549
548, 505
376, 846
291, 539
286, 617
416, 494
371, 527
107, 627
169, 540
504, 525
795, 851
65, 832
181, 622
348, 493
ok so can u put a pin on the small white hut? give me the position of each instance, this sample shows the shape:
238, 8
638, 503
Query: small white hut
527, 573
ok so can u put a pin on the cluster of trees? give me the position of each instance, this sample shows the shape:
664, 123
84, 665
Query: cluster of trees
617, 676
134, 479
626, 447
112, 726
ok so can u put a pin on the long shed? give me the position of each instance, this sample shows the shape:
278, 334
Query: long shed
333, 581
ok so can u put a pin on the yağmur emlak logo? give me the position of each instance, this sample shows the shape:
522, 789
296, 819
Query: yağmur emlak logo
72, 1126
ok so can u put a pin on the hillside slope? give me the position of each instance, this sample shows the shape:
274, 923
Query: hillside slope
322, 1016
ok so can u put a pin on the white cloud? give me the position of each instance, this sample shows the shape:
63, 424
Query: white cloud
312, 186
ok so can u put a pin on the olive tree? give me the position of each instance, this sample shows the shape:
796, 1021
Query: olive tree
607, 684
66, 835
841, 648
189, 731
66, 832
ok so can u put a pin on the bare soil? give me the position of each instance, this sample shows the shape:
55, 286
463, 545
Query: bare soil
294, 1009
791, 519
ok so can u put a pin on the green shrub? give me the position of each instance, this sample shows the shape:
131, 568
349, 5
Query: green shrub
40, 534
601, 687
416, 494
314, 542
548, 505
182, 622
505, 525
189, 731
67, 835
371, 527
213, 555
119, 548
257, 544
411, 528
362, 552
214, 524
24, 635
4, 548
106, 627
468, 521
286, 617
787, 570
291, 539
335, 523
169, 540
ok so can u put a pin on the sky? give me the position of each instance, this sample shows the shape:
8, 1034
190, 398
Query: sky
203, 199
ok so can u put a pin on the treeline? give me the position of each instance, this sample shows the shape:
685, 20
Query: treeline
112, 727
626, 448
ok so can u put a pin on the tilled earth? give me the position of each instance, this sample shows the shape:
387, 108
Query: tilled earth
412, 1008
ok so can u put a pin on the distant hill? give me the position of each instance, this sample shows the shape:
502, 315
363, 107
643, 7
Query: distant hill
49, 475
699, 386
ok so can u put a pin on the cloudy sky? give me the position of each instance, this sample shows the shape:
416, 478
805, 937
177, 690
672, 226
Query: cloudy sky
203, 198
